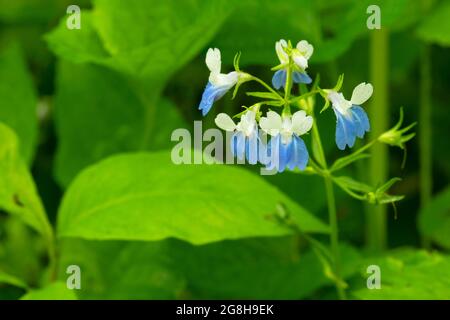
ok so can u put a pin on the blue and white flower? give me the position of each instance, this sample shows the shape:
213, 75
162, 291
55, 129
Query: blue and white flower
300, 55
286, 149
219, 83
245, 141
351, 119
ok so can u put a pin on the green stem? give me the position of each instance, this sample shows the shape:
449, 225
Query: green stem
378, 113
287, 89
265, 85
426, 181
334, 232
334, 237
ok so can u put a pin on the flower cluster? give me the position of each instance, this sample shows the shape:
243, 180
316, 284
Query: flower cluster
300, 56
286, 148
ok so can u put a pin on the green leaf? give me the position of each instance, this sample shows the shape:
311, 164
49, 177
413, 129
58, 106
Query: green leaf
54, 291
257, 268
345, 161
434, 219
122, 269
350, 183
263, 95
213, 202
99, 113
79, 46
131, 36
18, 194
262, 268
435, 27
18, 100
408, 274
6, 278
364, 192
21, 250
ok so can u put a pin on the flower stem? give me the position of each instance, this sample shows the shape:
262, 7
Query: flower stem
287, 89
265, 85
376, 215
334, 237
334, 232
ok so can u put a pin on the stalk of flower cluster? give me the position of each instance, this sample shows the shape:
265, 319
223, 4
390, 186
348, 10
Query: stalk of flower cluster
287, 88
332, 214
334, 232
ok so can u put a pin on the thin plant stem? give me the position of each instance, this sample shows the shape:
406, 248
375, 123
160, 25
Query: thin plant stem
287, 89
334, 236
376, 222
265, 85
334, 229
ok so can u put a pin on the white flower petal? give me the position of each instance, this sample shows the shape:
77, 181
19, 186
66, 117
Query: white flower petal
305, 48
224, 122
271, 124
248, 123
213, 60
361, 93
221, 79
249, 116
301, 61
282, 55
301, 123
338, 101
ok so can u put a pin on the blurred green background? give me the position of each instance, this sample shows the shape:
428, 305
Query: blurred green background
135, 71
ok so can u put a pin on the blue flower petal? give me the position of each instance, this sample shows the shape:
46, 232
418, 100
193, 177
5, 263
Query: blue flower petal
273, 153
345, 130
290, 155
361, 120
279, 79
210, 95
284, 155
299, 156
251, 148
238, 145
301, 77
263, 149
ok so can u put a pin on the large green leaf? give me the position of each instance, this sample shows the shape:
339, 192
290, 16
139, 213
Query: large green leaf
435, 27
54, 291
122, 269
83, 45
99, 113
260, 268
18, 100
21, 250
408, 274
132, 197
142, 38
6, 278
434, 219
18, 194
